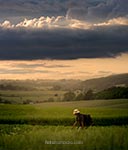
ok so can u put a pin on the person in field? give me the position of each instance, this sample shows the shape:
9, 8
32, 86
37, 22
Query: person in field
82, 120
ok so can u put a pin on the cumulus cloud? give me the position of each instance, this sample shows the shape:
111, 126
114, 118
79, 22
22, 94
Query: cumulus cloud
47, 23
6, 24
114, 21
44, 22
61, 22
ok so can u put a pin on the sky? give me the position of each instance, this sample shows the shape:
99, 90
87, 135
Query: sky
63, 39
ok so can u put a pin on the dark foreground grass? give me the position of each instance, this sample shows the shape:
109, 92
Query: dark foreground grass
28, 137
64, 121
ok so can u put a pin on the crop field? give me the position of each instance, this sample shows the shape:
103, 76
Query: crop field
48, 126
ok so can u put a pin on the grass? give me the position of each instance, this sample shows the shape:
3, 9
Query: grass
102, 112
27, 137
48, 125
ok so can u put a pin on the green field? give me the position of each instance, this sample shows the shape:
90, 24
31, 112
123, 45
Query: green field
27, 137
49, 126
18, 97
103, 112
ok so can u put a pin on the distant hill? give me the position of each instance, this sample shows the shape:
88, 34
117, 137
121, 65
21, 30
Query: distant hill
99, 84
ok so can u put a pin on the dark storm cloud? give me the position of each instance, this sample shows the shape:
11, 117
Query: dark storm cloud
106, 41
34, 39
14, 10
101, 11
19, 9
89, 10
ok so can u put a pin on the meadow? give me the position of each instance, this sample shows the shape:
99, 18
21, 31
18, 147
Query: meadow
49, 126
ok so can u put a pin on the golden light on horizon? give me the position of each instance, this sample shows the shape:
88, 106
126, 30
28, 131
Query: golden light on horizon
63, 69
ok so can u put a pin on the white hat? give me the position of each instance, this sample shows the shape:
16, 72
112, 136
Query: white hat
76, 111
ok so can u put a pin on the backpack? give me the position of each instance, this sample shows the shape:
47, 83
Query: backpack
87, 120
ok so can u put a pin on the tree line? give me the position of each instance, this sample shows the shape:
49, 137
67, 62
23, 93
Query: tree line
110, 93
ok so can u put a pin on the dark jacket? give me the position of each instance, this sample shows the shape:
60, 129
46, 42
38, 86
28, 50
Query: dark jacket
83, 120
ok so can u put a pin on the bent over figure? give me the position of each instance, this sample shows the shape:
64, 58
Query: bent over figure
82, 120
